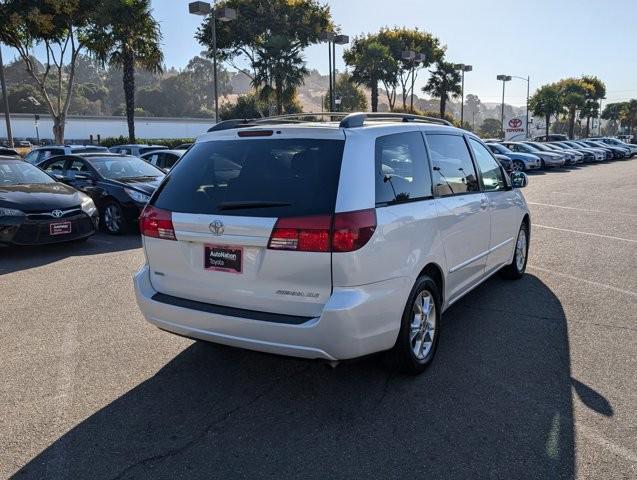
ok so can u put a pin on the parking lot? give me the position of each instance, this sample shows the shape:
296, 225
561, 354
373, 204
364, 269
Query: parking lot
532, 379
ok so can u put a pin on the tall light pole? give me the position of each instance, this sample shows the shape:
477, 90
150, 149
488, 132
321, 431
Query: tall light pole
328, 37
414, 58
7, 115
504, 79
223, 14
463, 68
332, 40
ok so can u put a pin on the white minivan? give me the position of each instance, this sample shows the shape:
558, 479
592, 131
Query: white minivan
328, 240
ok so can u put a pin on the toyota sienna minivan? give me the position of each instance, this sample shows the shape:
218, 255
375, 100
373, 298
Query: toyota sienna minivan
328, 240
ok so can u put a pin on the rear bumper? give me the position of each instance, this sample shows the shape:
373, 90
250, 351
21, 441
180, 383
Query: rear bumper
356, 321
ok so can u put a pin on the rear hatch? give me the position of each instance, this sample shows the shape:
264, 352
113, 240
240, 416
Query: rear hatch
223, 201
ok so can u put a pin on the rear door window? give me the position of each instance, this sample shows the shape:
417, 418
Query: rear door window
256, 178
453, 170
402, 171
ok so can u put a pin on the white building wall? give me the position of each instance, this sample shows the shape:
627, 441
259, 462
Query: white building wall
82, 127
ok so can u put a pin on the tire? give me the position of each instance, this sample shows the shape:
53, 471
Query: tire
112, 218
405, 356
518, 166
515, 270
542, 165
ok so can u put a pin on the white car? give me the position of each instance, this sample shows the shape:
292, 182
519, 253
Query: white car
328, 240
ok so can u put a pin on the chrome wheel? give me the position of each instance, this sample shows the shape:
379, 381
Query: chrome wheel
520, 250
423, 325
517, 166
113, 218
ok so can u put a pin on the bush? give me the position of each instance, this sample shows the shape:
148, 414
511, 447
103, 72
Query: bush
169, 142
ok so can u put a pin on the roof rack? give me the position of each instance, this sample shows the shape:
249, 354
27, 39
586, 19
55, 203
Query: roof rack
278, 119
358, 119
346, 120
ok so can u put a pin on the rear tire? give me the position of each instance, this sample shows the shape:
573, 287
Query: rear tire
515, 270
419, 329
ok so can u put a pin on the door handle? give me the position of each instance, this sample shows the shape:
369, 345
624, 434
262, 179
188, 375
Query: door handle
484, 204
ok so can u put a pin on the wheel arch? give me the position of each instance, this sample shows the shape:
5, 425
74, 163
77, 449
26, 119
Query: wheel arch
435, 272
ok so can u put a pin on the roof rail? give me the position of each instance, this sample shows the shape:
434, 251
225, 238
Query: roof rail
358, 119
278, 119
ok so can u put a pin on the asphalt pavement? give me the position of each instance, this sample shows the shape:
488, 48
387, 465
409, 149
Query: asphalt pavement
533, 379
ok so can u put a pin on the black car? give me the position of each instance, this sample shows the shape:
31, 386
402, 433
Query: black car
120, 185
164, 159
36, 210
40, 154
9, 152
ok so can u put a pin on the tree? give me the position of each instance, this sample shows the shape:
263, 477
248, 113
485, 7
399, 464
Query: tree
371, 63
61, 28
573, 93
399, 40
271, 42
594, 95
352, 98
629, 114
472, 107
546, 102
491, 128
128, 37
247, 106
444, 84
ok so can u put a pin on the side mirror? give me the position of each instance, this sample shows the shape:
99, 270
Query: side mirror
519, 180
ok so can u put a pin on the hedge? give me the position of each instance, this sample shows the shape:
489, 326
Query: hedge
169, 142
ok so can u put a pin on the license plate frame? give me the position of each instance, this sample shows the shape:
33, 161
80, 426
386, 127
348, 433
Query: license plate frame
60, 228
223, 258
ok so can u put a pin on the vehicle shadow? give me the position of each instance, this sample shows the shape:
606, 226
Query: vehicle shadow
496, 403
16, 258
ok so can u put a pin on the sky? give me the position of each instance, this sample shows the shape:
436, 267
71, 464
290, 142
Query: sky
544, 39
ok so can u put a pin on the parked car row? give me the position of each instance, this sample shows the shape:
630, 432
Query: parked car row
532, 155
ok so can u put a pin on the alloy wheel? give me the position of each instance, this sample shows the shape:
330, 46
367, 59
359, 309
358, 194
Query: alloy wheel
113, 218
520, 250
423, 325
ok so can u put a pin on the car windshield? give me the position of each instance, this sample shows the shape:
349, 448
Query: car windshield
17, 172
539, 146
527, 148
500, 148
124, 167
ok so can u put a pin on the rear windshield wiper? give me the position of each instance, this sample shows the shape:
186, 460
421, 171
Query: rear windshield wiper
251, 204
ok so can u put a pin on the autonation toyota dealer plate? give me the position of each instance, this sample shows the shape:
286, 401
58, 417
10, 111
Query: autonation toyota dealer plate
60, 228
223, 258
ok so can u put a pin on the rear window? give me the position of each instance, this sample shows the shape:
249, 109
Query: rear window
255, 178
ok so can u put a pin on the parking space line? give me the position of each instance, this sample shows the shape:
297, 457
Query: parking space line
591, 282
585, 233
592, 435
582, 209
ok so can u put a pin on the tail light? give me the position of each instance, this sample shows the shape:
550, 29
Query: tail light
157, 223
342, 232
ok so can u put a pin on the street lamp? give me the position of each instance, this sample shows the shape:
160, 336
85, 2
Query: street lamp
463, 68
504, 79
414, 57
332, 40
223, 14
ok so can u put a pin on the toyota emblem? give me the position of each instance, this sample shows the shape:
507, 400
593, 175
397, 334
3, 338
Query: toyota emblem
217, 227
57, 213
515, 123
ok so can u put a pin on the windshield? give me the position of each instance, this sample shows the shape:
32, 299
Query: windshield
539, 146
499, 148
527, 148
17, 172
257, 178
124, 167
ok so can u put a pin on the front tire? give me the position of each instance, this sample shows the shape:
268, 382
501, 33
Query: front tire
518, 166
420, 328
113, 218
517, 267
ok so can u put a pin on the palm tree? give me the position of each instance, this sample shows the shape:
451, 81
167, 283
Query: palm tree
372, 63
629, 114
444, 83
546, 102
574, 92
591, 105
128, 39
279, 70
